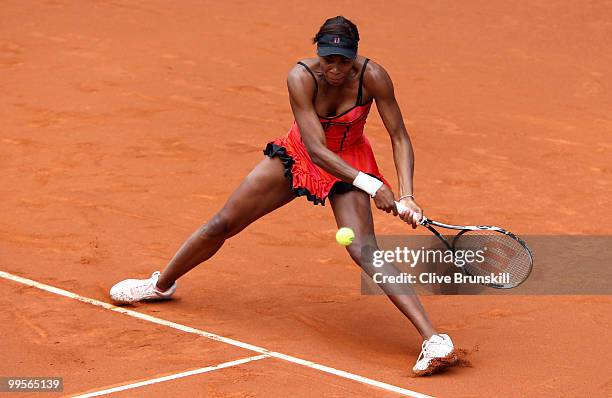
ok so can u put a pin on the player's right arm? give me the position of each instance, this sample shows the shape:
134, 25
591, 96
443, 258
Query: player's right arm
301, 91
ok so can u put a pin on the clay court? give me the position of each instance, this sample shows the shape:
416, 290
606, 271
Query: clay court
126, 124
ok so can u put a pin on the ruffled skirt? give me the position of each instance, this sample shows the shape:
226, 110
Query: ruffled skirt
307, 179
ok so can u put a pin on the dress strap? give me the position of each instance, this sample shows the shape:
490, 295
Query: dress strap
360, 92
313, 77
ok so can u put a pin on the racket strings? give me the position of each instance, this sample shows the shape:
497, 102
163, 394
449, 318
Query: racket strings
495, 253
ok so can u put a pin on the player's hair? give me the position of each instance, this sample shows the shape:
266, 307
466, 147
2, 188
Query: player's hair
338, 26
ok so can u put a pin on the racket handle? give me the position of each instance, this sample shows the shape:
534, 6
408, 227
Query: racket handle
401, 208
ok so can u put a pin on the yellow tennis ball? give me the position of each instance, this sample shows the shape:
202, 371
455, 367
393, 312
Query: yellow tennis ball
345, 236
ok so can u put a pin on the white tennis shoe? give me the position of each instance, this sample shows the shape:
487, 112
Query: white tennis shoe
133, 290
436, 353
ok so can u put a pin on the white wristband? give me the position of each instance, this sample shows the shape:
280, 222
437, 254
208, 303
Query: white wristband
367, 183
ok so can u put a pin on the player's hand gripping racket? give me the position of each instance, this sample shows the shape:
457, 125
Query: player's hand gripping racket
502, 251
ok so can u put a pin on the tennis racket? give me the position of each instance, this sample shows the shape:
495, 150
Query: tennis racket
502, 252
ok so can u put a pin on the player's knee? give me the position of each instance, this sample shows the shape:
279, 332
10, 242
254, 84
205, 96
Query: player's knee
354, 250
218, 227
361, 253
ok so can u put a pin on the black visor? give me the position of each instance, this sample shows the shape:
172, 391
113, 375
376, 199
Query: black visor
336, 45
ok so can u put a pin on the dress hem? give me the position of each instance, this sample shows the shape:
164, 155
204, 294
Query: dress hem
273, 150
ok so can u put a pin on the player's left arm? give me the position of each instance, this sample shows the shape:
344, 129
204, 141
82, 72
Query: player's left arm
380, 86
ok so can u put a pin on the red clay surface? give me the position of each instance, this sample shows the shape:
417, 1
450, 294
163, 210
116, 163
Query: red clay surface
125, 125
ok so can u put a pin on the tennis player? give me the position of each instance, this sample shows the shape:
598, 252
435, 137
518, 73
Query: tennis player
325, 155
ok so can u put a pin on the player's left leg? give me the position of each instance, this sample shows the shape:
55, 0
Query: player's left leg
352, 209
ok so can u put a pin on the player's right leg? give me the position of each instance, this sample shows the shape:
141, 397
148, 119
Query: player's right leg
265, 189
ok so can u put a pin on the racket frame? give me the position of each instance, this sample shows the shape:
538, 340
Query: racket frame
427, 223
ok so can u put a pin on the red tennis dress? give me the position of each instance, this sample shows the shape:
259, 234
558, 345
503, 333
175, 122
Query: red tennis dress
344, 136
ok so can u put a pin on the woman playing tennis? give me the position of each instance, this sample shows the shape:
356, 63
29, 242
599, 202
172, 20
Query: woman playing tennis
325, 155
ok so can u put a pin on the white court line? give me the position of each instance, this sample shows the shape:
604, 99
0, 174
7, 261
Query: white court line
212, 336
172, 377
